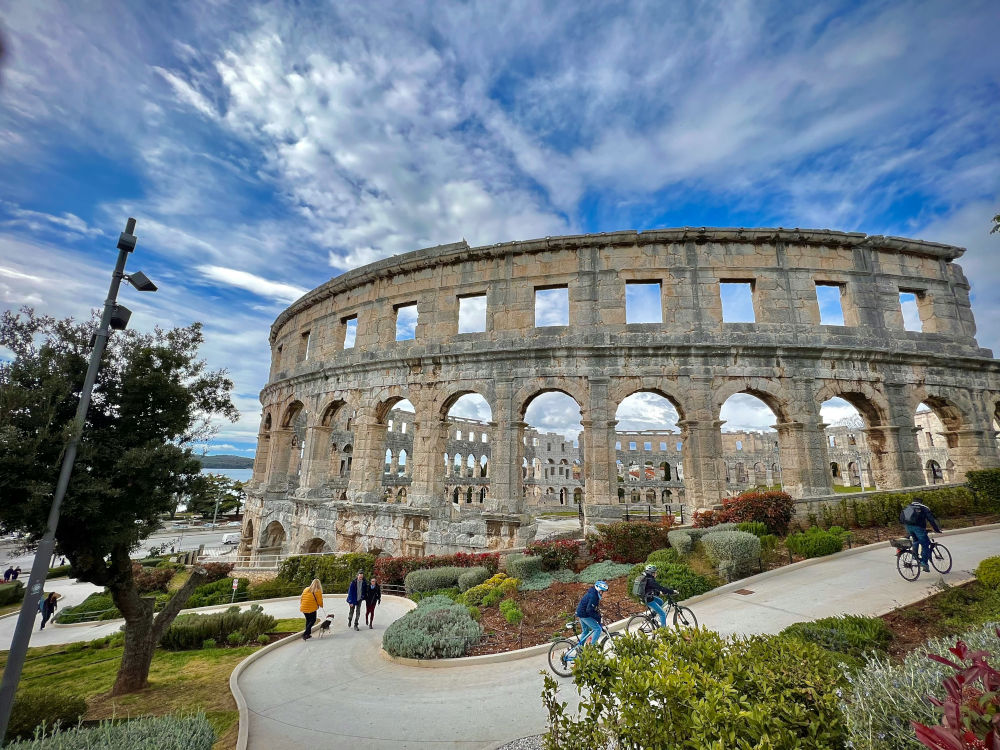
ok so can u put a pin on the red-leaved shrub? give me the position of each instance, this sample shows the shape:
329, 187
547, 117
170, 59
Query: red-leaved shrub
216, 571
627, 541
555, 554
703, 519
393, 570
775, 509
148, 580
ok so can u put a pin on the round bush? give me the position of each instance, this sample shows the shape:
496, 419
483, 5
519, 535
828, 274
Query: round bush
988, 572
603, 571
432, 579
32, 707
472, 577
263, 640
432, 632
208, 643
851, 635
674, 576
524, 566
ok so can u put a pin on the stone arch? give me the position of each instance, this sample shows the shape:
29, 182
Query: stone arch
290, 414
314, 546
933, 471
622, 388
273, 538
871, 404
386, 399
952, 408
575, 388
769, 391
443, 402
330, 410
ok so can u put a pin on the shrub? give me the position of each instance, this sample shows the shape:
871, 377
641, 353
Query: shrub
11, 593
523, 566
220, 592
432, 579
762, 691
263, 639
537, 582
433, 631
273, 589
772, 508
814, 542
511, 612
35, 707
705, 519
235, 639
191, 631
148, 580
393, 570
603, 571
988, 572
451, 593
97, 606
734, 553
474, 613
627, 541
665, 556
58, 572
885, 696
490, 592
555, 554
985, 485
674, 576
681, 540
757, 528
334, 571
208, 643
147, 733
215, 571
472, 577
851, 635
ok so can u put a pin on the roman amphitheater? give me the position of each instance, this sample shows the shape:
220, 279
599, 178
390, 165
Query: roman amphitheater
341, 467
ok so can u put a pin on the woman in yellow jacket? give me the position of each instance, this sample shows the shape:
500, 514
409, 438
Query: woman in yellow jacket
312, 600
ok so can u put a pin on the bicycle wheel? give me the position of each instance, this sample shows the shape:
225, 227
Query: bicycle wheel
940, 558
561, 655
908, 565
684, 618
608, 643
640, 624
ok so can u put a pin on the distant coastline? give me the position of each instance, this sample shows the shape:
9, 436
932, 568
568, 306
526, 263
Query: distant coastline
225, 462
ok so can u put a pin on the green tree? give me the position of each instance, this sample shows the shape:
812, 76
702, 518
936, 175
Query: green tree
153, 398
207, 489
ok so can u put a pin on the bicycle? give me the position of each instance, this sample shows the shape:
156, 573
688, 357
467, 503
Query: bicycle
563, 652
908, 561
648, 621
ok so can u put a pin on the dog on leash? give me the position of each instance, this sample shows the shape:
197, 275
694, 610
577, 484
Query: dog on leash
324, 627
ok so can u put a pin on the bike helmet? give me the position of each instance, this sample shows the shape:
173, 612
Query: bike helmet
601, 586
650, 570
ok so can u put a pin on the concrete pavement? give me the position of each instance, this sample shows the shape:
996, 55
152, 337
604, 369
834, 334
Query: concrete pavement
338, 692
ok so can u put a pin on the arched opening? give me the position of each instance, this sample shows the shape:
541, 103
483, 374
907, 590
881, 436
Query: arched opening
388, 462
552, 445
273, 540
401, 495
456, 496
835, 471
749, 438
937, 423
290, 445
483, 467
935, 475
401, 463
263, 449
483, 494
397, 414
646, 436
338, 419
468, 429
315, 546
577, 496
846, 441
346, 459
468, 495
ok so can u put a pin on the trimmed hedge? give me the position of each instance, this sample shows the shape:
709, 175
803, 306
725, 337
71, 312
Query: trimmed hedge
472, 577
334, 571
393, 570
58, 572
851, 635
627, 541
97, 606
683, 540
11, 593
147, 733
814, 542
432, 579
524, 566
665, 556
988, 572
675, 576
734, 553
985, 485
437, 629
39, 707
191, 631
882, 509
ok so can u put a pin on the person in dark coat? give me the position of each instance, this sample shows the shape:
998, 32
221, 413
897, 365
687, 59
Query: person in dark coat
16, 573
355, 595
372, 599
7, 574
48, 608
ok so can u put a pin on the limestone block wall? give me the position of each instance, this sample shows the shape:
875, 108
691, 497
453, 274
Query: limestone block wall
694, 357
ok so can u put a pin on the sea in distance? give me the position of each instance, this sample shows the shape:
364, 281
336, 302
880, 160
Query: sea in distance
241, 475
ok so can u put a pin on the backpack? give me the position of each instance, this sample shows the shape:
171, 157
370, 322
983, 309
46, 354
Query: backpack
639, 585
912, 515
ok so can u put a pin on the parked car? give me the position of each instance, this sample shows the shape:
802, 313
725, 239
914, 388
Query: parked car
234, 524
231, 539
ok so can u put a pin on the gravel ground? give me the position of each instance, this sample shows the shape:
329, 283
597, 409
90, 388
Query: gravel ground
525, 743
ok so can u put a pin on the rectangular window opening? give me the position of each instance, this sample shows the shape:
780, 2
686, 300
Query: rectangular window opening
631, 446
830, 299
306, 339
737, 302
406, 321
472, 314
647, 446
910, 309
350, 331
551, 306
643, 303
663, 446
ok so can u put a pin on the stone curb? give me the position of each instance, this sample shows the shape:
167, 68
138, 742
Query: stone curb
542, 648
234, 688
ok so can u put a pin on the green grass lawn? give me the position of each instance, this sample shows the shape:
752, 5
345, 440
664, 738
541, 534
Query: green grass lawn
838, 489
179, 681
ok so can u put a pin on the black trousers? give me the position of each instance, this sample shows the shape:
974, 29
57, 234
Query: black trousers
354, 612
310, 621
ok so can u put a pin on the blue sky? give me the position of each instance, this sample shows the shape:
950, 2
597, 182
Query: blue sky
264, 148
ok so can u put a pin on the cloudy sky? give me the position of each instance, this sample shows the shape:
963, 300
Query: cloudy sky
265, 147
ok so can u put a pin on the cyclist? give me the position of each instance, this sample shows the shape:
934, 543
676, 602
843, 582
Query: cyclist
649, 587
915, 518
588, 611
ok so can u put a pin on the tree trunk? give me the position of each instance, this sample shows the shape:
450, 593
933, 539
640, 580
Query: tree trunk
142, 631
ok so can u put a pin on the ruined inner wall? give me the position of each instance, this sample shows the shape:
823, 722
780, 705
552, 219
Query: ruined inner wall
324, 392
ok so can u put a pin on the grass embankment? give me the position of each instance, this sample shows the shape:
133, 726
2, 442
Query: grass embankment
179, 682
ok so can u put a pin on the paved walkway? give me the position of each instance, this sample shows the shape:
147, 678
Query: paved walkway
338, 692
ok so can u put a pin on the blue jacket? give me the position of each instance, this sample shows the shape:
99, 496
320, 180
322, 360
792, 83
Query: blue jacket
918, 514
589, 605
353, 595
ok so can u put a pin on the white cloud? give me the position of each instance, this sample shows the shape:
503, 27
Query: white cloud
252, 283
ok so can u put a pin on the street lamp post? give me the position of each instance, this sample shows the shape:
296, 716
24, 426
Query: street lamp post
115, 317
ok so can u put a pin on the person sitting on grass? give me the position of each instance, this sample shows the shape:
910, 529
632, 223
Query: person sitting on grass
649, 587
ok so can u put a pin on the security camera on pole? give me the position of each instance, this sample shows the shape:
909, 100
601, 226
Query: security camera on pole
114, 317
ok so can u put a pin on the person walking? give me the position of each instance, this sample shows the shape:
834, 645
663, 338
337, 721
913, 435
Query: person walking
372, 599
7, 574
16, 573
310, 602
915, 518
47, 607
356, 594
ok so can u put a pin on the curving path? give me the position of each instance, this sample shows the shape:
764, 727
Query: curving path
339, 692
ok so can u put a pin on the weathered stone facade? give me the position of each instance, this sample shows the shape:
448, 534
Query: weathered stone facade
327, 406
